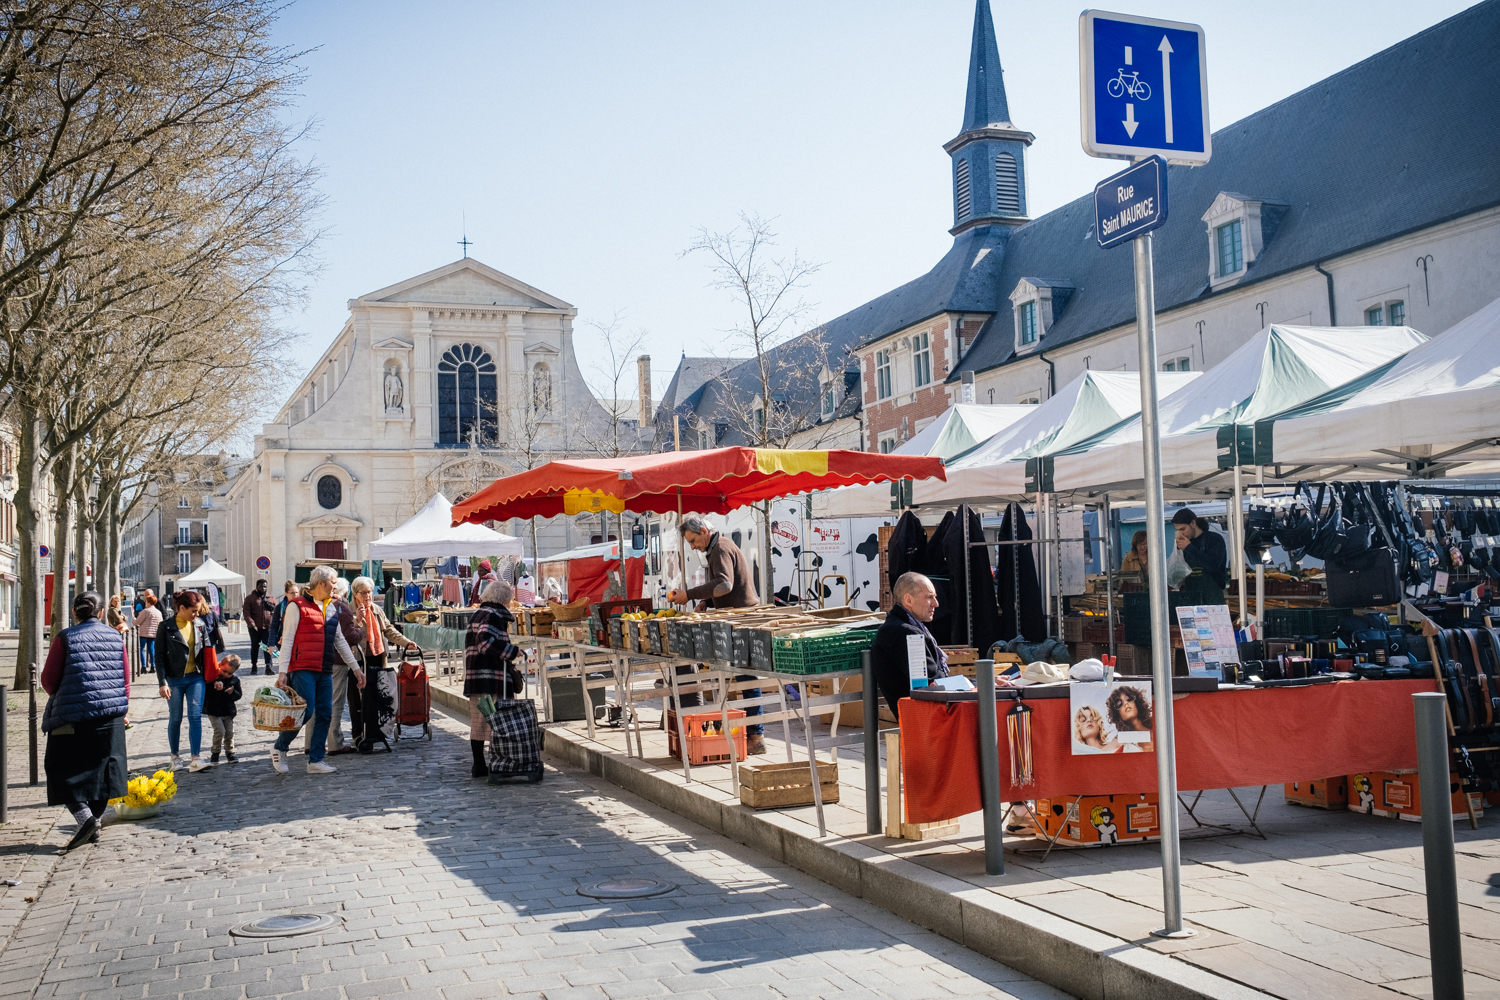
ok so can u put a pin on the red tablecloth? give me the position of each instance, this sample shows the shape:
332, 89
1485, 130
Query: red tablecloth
1225, 739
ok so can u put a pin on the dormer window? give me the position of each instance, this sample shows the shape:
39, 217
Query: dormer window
1231, 245
1037, 303
1027, 315
1239, 227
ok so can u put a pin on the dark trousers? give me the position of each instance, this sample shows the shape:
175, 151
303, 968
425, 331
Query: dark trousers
692, 699
753, 711
256, 638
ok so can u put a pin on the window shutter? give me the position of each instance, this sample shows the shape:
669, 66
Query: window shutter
1007, 185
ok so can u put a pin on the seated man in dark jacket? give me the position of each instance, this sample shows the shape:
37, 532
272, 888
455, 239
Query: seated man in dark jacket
916, 602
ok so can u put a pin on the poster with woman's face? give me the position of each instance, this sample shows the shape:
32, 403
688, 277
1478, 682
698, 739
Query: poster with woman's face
1111, 718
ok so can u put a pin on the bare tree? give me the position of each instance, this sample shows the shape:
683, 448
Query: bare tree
765, 288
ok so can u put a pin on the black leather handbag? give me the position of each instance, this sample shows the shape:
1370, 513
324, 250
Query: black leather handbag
1372, 581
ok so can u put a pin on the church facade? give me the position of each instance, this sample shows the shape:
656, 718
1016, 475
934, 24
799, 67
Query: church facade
443, 382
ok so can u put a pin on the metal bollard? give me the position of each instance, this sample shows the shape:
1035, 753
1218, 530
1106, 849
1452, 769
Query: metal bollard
31, 720
873, 824
989, 770
4, 757
1437, 847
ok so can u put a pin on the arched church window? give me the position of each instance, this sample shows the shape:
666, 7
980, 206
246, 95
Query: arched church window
330, 492
467, 406
961, 185
1007, 185
541, 388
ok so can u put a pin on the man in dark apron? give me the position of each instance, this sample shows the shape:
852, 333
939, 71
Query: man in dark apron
1205, 552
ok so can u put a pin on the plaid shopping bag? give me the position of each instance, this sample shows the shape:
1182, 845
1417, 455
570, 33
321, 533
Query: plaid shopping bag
515, 738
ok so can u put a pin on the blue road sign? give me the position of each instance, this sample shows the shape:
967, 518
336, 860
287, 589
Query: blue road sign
1131, 203
1144, 88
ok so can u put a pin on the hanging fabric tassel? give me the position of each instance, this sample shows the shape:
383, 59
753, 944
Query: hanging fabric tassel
1018, 732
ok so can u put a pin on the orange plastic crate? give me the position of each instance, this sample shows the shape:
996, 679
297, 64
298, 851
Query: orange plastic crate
706, 742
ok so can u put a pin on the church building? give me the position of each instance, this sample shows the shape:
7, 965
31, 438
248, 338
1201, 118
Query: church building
442, 382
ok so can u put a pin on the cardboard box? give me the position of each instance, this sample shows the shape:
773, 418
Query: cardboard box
1099, 820
851, 714
1319, 793
1398, 795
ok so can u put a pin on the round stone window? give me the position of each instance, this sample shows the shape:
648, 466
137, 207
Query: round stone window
330, 492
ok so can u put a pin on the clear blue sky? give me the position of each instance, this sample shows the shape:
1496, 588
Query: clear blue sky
587, 141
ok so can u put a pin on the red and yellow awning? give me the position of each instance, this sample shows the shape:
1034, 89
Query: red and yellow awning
703, 482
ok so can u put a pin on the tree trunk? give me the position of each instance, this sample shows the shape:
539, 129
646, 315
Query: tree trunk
62, 538
82, 541
28, 560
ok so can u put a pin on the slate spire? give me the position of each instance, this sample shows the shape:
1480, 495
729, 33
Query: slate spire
985, 103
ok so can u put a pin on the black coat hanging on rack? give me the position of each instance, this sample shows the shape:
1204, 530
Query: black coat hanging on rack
1033, 624
906, 552
981, 583
942, 575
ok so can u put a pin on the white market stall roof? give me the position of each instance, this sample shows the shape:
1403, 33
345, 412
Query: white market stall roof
606, 550
1278, 368
958, 429
430, 534
1439, 406
210, 572
1091, 403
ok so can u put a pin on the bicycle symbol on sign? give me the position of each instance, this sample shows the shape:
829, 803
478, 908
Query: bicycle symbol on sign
1131, 84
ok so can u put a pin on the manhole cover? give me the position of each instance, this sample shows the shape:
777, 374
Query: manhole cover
625, 888
287, 925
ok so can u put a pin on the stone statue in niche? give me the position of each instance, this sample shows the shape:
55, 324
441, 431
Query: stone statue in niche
394, 391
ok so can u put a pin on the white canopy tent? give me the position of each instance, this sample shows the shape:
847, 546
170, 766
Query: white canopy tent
431, 534
957, 430
1091, 403
1436, 411
210, 572
1278, 368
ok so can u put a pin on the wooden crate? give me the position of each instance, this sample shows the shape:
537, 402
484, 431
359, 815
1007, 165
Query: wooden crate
851, 714
777, 786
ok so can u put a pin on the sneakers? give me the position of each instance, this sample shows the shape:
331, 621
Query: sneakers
176, 763
229, 756
319, 767
198, 764
214, 757
278, 762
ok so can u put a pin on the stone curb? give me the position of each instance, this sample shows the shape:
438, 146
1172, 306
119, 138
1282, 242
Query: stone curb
1078, 959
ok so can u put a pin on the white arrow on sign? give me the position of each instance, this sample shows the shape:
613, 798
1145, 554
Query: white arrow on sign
1165, 48
1130, 123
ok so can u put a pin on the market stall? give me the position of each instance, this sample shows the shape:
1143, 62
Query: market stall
714, 481
209, 577
588, 572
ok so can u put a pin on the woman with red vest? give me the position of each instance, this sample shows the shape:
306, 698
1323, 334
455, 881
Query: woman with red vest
311, 643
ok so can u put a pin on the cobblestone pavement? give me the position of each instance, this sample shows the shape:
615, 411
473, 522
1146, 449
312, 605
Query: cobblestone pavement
448, 888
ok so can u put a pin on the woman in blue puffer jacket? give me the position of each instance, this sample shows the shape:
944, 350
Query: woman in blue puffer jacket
87, 678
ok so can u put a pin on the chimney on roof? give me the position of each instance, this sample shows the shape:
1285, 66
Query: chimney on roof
643, 373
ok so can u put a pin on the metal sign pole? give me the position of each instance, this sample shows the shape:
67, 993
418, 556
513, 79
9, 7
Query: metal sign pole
1161, 635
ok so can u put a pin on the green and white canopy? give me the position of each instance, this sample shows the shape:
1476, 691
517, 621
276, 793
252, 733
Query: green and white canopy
1436, 411
1278, 368
996, 470
958, 429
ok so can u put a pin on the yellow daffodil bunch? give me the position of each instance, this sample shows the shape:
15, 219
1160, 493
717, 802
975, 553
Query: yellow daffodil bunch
143, 791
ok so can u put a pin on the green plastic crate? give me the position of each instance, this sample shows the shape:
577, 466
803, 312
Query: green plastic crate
821, 654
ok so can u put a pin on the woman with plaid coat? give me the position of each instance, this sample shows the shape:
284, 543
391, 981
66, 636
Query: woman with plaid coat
489, 663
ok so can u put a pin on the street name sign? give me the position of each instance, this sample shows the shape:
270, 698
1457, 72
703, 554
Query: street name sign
1144, 88
1131, 203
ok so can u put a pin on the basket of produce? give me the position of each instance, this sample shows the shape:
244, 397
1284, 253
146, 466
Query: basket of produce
275, 710
144, 796
421, 616
570, 612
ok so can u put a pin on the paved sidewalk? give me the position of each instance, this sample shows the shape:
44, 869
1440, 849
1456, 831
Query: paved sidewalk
449, 888
1328, 904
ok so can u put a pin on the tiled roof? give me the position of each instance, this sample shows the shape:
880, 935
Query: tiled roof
1402, 141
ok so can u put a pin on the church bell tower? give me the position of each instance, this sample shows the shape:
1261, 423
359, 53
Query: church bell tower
989, 153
